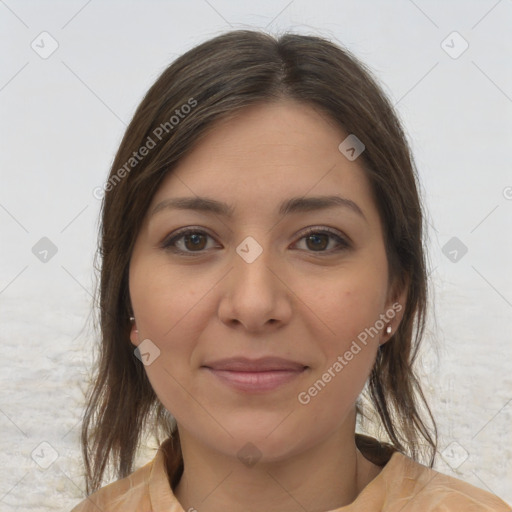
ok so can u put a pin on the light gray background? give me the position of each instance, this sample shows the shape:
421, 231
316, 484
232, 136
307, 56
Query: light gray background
63, 117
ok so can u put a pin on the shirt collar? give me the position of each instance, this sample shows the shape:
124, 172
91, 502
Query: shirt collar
160, 493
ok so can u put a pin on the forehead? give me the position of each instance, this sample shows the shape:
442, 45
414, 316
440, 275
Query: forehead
266, 153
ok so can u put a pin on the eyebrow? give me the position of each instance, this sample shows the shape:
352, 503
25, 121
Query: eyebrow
292, 205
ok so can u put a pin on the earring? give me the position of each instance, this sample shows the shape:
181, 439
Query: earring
389, 329
132, 319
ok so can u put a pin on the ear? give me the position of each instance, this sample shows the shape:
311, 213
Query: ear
395, 309
134, 334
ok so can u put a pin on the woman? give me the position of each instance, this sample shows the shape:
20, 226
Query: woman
262, 262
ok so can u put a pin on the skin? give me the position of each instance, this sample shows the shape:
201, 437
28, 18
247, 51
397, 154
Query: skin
298, 300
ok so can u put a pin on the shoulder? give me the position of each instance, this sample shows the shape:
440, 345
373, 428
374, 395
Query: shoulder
128, 494
426, 489
144, 490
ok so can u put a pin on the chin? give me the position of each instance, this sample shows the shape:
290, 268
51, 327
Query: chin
270, 444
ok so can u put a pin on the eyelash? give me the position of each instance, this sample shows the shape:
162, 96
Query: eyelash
169, 244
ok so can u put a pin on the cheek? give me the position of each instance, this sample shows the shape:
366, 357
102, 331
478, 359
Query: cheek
169, 315
164, 309
348, 349
349, 308
167, 301
358, 311
348, 305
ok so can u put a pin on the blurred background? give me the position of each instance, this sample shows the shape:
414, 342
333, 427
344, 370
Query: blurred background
72, 74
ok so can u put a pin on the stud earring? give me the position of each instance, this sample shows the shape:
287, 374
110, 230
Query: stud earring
389, 329
132, 319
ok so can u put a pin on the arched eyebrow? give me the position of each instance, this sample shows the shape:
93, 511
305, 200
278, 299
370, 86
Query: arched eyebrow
290, 206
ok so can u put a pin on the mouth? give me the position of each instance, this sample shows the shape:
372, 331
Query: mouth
255, 375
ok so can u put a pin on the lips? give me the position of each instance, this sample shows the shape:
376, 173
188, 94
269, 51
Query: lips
255, 375
264, 364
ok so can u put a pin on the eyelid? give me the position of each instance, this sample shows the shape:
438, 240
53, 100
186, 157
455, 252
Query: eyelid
325, 229
344, 242
168, 241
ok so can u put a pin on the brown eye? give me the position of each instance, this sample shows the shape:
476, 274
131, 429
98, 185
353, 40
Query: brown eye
194, 241
317, 240
187, 241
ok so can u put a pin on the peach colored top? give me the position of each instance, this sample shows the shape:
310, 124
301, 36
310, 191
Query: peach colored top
402, 485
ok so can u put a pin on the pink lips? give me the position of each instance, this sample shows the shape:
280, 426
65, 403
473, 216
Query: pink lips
255, 375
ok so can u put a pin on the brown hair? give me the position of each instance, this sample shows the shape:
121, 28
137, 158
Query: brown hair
216, 79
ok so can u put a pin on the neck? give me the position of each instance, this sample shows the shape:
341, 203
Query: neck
326, 476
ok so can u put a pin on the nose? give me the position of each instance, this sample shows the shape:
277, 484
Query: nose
255, 294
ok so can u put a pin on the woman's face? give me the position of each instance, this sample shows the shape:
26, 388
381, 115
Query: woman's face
253, 329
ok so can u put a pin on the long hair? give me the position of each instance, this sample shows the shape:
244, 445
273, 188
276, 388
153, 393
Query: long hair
210, 82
